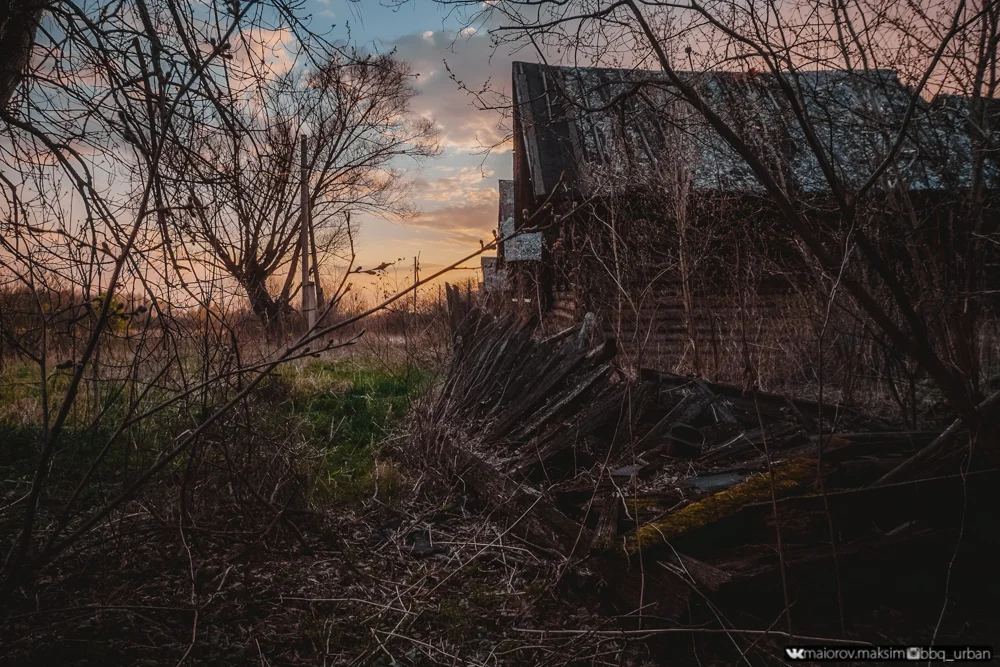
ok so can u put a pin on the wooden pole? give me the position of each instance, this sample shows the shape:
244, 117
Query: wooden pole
318, 289
308, 298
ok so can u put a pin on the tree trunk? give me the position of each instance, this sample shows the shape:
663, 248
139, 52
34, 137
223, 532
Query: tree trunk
264, 306
17, 36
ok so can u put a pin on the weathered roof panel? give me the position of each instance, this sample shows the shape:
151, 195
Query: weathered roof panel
525, 247
506, 200
584, 126
494, 278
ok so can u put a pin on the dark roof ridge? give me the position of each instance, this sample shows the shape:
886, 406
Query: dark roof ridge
871, 73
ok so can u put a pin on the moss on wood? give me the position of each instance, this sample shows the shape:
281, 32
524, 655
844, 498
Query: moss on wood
755, 489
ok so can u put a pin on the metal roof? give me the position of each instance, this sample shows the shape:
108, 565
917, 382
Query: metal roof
583, 127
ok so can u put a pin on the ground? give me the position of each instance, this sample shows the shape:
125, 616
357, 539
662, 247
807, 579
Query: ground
366, 560
308, 529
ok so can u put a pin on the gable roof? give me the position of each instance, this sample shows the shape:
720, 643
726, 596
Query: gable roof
584, 126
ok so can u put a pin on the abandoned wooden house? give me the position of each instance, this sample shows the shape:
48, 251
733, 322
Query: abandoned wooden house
635, 209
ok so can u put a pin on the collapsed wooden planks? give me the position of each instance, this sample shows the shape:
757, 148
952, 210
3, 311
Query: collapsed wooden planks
572, 456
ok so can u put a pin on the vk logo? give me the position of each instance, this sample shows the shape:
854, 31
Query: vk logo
796, 653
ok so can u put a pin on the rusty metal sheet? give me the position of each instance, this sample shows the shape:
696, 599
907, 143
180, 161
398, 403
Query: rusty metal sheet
506, 199
525, 247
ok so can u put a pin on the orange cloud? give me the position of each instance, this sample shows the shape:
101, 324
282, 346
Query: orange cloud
463, 224
468, 184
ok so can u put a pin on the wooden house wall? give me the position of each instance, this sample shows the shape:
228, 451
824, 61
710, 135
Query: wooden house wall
660, 326
544, 142
664, 329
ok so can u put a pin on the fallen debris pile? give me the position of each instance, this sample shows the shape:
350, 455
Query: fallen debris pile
687, 497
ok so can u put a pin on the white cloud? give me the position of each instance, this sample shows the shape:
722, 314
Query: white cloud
462, 184
471, 59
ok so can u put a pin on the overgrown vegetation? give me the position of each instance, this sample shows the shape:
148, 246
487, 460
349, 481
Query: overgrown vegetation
207, 569
189, 474
350, 408
344, 409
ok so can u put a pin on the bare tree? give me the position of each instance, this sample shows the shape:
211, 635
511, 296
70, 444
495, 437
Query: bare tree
147, 154
94, 298
242, 184
17, 34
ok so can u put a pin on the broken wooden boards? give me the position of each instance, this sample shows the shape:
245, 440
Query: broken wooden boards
675, 490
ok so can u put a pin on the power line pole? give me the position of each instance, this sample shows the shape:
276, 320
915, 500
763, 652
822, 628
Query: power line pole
318, 289
308, 287
416, 279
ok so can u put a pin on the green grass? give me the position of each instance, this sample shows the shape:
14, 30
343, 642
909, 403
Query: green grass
346, 410
21, 428
81, 440
21, 397
21, 417
350, 408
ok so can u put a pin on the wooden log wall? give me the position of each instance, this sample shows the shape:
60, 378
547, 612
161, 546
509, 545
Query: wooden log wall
564, 311
659, 328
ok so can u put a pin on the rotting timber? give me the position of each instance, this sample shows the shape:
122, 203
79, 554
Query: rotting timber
673, 491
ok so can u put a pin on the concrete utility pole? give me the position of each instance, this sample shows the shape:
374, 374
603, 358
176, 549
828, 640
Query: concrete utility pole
308, 287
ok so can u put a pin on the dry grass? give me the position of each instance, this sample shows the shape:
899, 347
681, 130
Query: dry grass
396, 567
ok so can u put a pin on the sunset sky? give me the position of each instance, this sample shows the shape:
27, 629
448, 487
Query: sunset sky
456, 193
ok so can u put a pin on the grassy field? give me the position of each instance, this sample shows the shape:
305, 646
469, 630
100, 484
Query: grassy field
349, 409
343, 409
311, 440
293, 532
